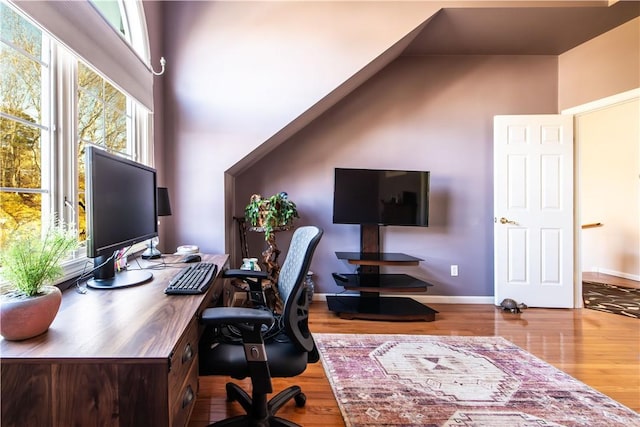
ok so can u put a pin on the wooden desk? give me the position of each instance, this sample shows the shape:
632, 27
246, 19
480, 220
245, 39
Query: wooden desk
122, 357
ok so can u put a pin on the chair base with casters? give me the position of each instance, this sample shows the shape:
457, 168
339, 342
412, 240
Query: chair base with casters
256, 343
230, 359
261, 412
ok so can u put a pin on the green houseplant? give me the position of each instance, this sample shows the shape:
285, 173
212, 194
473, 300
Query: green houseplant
30, 264
270, 213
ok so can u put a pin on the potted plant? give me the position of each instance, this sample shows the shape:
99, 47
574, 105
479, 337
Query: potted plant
270, 213
30, 265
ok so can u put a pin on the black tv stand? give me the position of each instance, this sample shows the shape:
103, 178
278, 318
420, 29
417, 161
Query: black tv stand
369, 282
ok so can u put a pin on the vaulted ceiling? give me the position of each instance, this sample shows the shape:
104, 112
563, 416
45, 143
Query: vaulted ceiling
517, 30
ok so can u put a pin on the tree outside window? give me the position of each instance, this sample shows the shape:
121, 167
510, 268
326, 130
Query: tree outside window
33, 160
23, 123
102, 121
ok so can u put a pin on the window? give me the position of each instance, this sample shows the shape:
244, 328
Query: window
25, 124
114, 13
103, 120
122, 15
52, 104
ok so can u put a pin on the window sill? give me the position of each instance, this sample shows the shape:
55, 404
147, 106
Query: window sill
81, 265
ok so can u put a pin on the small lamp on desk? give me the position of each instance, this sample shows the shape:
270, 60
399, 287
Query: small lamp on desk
164, 209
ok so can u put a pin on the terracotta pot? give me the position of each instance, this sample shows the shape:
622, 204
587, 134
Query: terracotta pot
26, 317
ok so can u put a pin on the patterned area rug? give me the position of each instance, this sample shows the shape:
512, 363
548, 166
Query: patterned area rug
612, 299
420, 380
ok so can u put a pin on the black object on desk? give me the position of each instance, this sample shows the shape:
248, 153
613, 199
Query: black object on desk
191, 280
191, 258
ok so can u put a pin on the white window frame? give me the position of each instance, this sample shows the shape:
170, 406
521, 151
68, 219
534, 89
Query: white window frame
59, 138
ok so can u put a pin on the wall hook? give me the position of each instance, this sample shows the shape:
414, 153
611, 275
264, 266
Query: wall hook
163, 62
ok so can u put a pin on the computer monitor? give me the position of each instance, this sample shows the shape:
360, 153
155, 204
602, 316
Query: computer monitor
121, 210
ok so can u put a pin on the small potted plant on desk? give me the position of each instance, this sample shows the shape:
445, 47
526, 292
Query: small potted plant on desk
30, 264
268, 215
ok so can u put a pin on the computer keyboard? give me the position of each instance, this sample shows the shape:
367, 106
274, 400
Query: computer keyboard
193, 279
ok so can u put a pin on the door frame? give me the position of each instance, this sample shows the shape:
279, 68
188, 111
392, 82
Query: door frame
578, 110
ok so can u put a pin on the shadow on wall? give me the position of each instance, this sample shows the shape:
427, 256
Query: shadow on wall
629, 257
439, 201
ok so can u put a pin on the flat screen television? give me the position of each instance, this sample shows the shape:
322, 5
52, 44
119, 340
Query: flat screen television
121, 210
382, 197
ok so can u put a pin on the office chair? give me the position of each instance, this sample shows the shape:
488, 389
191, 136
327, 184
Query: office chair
251, 342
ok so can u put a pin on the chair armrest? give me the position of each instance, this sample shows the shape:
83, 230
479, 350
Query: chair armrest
254, 280
235, 315
242, 274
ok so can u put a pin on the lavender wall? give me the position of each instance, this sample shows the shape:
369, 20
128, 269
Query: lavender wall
423, 113
238, 73
162, 162
420, 112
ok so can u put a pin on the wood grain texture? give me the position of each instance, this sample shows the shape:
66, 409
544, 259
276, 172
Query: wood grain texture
18, 388
599, 349
120, 323
122, 357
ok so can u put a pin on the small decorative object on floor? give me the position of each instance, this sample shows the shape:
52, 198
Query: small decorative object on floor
511, 305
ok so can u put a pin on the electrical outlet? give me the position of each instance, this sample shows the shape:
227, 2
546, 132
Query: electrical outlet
454, 270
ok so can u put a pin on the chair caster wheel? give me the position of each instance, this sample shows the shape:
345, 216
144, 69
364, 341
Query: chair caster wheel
300, 399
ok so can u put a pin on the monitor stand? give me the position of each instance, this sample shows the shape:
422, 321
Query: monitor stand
122, 279
105, 276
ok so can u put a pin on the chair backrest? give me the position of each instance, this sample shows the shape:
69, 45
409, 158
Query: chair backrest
295, 314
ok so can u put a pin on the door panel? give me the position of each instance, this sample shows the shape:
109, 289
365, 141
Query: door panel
533, 208
551, 182
517, 253
518, 174
550, 256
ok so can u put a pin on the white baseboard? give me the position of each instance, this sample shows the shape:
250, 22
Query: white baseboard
618, 274
425, 299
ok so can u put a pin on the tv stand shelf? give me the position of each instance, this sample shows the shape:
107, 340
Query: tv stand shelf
383, 282
378, 258
370, 283
380, 308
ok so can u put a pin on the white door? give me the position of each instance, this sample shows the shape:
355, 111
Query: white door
533, 209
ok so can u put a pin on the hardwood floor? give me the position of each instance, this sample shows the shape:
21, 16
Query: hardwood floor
610, 280
599, 349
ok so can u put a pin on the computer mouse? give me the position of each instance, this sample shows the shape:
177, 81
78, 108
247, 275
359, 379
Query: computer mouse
192, 258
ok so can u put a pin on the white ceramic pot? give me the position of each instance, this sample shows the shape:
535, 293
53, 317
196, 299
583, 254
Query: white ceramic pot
250, 264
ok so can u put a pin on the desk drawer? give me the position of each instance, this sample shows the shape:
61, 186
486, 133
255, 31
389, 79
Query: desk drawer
183, 403
183, 366
184, 352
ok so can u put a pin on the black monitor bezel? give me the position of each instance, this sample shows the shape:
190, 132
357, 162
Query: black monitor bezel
107, 249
